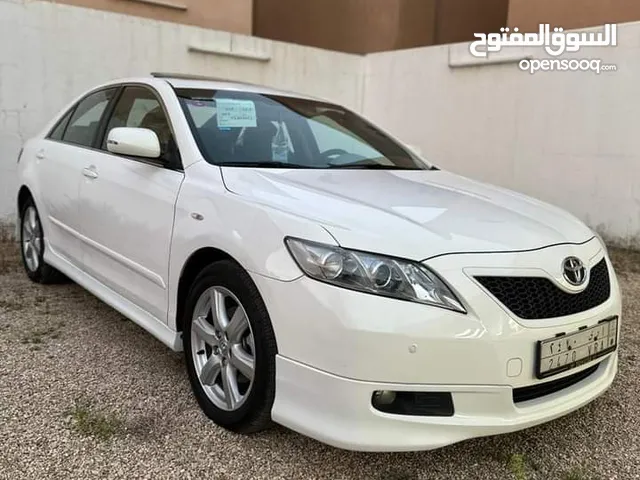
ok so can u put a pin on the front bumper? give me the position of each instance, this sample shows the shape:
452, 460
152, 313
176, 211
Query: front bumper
337, 410
336, 347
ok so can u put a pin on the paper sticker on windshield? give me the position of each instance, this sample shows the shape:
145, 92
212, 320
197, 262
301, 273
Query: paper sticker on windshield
236, 113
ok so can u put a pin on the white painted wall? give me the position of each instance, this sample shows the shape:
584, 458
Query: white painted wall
569, 138
50, 53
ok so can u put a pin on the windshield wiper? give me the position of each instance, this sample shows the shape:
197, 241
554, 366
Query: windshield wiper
263, 165
372, 166
345, 166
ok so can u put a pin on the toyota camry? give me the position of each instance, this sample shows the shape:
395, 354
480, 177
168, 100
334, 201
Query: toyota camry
316, 271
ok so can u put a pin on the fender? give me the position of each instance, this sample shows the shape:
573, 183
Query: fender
208, 215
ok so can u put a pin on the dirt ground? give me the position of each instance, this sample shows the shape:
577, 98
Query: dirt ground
85, 393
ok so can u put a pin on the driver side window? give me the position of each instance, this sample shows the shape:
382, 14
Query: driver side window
138, 107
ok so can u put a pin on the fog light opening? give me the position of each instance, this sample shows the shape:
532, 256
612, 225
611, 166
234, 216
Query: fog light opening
383, 397
427, 404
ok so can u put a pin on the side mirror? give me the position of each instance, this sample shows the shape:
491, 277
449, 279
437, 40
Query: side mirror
135, 142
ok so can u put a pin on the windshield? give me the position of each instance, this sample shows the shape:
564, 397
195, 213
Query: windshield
245, 129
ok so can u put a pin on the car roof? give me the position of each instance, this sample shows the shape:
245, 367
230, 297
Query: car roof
177, 80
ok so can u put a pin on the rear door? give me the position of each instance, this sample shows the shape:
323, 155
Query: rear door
127, 206
60, 159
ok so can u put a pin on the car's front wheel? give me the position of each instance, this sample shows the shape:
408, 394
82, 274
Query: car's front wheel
230, 348
32, 247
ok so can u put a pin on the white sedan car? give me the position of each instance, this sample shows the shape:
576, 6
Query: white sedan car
316, 272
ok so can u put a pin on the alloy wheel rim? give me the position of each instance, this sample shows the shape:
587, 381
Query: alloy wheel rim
31, 239
223, 348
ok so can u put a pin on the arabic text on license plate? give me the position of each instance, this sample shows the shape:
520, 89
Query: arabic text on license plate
567, 351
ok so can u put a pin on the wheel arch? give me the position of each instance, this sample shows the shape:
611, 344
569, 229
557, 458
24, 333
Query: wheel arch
196, 262
24, 194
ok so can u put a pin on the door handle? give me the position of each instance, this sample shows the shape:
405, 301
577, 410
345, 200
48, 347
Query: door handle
40, 155
90, 172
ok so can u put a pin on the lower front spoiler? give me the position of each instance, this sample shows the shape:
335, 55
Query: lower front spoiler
338, 411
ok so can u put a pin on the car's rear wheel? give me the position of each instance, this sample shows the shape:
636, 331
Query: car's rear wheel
32, 247
230, 348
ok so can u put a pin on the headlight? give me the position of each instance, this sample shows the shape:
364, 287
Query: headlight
371, 273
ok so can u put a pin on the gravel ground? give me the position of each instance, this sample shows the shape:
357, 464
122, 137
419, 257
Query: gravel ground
85, 393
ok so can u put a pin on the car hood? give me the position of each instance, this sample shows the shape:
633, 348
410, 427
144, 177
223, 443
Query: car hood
412, 214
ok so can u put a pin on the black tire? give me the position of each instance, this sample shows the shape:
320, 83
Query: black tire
255, 413
44, 273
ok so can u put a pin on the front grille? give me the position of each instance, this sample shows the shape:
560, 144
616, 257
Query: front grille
524, 394
539, 297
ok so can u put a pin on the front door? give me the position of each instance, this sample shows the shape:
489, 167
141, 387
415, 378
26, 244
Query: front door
127, 207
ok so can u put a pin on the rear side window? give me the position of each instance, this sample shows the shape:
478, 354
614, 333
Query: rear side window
85, 121
58, 130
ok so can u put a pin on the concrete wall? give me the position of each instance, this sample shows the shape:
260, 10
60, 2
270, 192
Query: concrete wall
366, 26
458, 20
228, 15
569, 138
570, 14
51, 53
355, 26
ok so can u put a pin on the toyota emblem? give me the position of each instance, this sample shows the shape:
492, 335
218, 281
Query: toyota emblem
574, 271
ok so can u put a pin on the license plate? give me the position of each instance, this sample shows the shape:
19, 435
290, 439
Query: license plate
567, 351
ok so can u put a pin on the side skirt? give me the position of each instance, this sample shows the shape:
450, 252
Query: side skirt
144, 319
